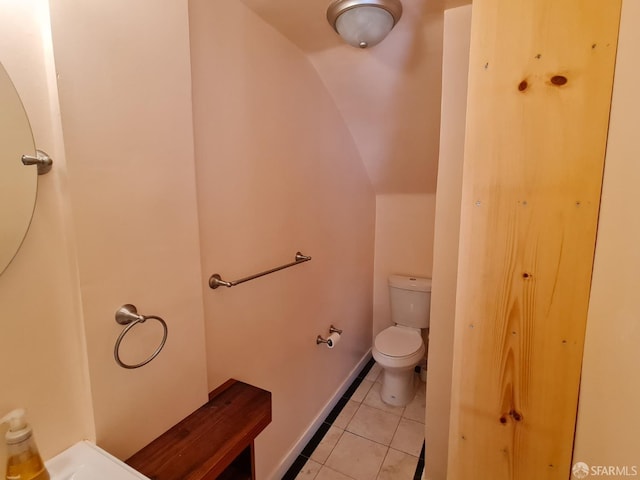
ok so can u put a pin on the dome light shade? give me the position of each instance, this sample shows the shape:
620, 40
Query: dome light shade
364, 23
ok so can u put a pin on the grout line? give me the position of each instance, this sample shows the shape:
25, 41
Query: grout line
334, 447
306, 453
343, 474
308, 450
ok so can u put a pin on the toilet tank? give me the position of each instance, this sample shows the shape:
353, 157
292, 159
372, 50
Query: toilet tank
410, 299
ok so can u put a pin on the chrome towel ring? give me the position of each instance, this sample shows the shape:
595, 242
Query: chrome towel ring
128, 315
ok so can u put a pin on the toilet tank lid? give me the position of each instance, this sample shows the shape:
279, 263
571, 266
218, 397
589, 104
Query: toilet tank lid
405, 282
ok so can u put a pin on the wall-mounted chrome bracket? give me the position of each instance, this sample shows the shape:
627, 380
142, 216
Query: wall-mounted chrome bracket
329, 341
42, 160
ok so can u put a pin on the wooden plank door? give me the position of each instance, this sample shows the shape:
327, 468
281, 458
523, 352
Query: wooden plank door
541, 74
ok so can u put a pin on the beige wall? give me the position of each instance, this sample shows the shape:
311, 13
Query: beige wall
608, 422
42, 358
122, 224
389, 95
457, 30
132, 196
277, 172
125, 95
403, 246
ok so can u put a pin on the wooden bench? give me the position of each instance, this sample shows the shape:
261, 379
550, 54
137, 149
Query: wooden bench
214, 442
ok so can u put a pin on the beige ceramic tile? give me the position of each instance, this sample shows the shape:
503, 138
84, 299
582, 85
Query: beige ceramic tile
374, 373
398, 466
374, 400
347, 413
356, 457
374, 424
327, 474
416, 409
409, 437
361, 391
322, 451
309, 471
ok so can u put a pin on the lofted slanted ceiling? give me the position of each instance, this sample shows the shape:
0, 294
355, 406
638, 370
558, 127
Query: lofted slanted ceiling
389, 95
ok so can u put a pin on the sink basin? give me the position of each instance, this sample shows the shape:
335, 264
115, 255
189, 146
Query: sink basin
86, 461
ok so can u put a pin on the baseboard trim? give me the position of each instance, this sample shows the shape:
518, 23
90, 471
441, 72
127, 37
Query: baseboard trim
292, 455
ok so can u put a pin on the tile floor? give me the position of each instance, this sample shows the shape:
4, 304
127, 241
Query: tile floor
366, 439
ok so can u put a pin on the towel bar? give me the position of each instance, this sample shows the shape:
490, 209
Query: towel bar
216, 281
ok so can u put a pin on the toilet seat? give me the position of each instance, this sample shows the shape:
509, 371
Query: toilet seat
398, 342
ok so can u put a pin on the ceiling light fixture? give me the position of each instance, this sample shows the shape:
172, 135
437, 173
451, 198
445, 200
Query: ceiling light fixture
364, 23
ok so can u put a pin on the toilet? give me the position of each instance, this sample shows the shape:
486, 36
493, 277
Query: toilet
398, 349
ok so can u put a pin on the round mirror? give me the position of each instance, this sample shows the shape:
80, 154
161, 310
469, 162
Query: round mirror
18, 183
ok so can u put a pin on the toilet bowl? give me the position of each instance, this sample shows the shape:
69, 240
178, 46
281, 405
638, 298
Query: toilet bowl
399, 349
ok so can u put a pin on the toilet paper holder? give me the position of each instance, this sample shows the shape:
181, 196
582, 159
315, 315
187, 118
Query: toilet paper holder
328, 341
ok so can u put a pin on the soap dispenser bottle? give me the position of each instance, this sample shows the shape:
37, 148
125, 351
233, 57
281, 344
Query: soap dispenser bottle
23, 460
